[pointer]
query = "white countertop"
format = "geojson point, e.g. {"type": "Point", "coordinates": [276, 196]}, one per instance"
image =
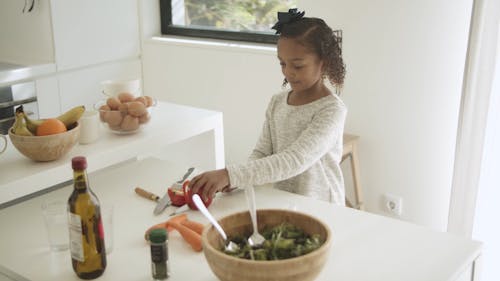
{"type": "Point", "coordinates": [171, 123]}
{"type": "Point", "coordinates": [365, 246]}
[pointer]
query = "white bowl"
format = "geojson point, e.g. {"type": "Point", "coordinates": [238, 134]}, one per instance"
{"type": "Point", "coordinates": [113, 88]}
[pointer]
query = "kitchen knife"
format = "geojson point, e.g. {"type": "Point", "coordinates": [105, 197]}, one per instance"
{"type": "Point", "coordinates": [179, 210]}
{"type": "Point", "coordinates": [165, 201]}
{"type": "Point", "coordinates": [162, 204]}
{"type": "Point", "coordinates": [146, 194]}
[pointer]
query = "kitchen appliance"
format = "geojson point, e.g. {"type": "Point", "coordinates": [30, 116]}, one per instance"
{"type": "Point", "coordinates": [11, 96]}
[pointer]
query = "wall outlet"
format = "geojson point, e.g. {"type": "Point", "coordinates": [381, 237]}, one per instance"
{"type": "Point", "coordinates": [393, 204]}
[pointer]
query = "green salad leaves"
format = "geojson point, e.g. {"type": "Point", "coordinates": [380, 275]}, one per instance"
{"type": "Point", "coordinates": [283, 241]}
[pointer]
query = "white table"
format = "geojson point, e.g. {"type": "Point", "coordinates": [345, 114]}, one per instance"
{"type": "Point", "coordinates": [365, 246]}
{"type": "Point", "coordinates": [170, 124]}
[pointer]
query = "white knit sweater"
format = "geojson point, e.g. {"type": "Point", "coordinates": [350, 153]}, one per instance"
{"type": "Point", "coordinates": [299, 149]}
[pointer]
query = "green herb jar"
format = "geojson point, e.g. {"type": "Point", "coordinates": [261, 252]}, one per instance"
{"type": "Point", "coordinates": [158, 239]}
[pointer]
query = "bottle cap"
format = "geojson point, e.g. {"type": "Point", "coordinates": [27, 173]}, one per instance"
{"type": "Point", "coordinates": [158, 235]}
{"type": "Point", "coordinates": [79, 163]}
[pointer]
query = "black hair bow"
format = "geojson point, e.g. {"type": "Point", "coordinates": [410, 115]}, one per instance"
{"type": "Point", "coordinates": [283, 18]}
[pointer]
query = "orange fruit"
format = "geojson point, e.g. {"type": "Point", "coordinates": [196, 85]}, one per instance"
{"type": "Point", "coordinates": [50, 127]}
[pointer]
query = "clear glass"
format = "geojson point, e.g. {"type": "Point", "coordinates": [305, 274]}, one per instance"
{"type": "Point", "coordinates": [107, 212]}
{"type": "Point", "coordinates": [55, 215]}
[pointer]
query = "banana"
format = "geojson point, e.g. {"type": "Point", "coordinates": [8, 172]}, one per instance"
{"type": "Point", "coordinates": [19, 127]}
{"type": "Point", "coordinates": [68, 118]}
{"type": "Point", "coordinates": [71, 116]}
{"type": "Point", "coordinates": [31, 124]}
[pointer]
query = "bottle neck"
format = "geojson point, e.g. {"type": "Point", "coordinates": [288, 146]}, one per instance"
{"type": "Point", "coordinates": [80, 181]}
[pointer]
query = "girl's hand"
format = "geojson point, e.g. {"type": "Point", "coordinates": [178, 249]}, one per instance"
{"type": "Point", "coordinates": [209, 183]}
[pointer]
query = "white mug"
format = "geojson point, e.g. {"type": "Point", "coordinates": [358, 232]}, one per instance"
{"type": "Point", "coordinates": [4, 138]}
{"type": "Point", "coordinates": [90, 127]}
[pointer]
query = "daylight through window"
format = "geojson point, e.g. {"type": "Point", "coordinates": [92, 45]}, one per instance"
{"type": "Point", "coordinates": [249, 20]}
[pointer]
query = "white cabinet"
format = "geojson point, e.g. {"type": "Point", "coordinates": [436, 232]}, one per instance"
{"type": "Point", "coordinates": [83, 86]}
{"type": "Point", "coordinates": [94, 31]}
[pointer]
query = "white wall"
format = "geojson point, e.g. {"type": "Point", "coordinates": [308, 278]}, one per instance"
{"type": "Point", "coordinates": [405, 63]}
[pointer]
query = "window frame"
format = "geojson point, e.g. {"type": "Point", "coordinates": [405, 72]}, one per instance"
{"type": "Point", "coordinates": [167, 28]}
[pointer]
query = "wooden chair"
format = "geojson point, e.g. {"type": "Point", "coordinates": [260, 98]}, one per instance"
{"type": "Point", "coordinates": [351, 151]}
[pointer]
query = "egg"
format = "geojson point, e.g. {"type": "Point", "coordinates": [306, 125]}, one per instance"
{"type": "Point", "coordinates": [143, 100]}
{"type": "Point", "coordinates": [123, 108]}
{"type": "Point", "coordinates": [144, 118]}
{"type": "Point", "coordinates": [113, 103]}
{"type": "Point", "coordinates": [137, 109]}
{"type": "Point", "coordinates": [130, 123]}
{"type": "Point", "coordinates": [125, 97]}
{"type": "Point", "coordinates": [149, 100]}
{"type": "Point", "coordinates": [113, 118]}
{"type": "Point", "coordinates": [102, 111]}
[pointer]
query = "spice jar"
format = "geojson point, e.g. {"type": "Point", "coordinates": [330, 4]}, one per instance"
{"type": "Point", "coordinates": [159, 254]}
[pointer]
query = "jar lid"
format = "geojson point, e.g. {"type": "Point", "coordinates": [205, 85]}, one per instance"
{"type": "Point", "coordinates": [158, 235]}
{"type": "Point", "coordinates": [79, 163]}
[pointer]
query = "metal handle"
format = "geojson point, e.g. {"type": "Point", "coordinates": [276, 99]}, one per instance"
{"type": "Point", "coordinates": [201, 207]}
{"type": "Point", "coordinates": [16, 102]}
{"type": "Point", "coordinates": [29, 113]}
{"type": "Point", "coordinates": [251, 205]}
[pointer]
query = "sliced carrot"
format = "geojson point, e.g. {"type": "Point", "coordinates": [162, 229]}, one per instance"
{"type": "Point", "coordinates": [196, 226]}
{"type": "Point", "coordinates": [190, 236]}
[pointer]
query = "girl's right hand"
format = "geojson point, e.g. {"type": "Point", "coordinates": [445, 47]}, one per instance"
{"type": "Point", "coordinates": [208, 183]}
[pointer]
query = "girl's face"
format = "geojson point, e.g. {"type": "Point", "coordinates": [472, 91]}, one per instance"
{"type": "Point", "coordinates": [301, 67]}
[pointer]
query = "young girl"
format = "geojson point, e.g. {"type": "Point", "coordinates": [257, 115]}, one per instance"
{"type": "Point", "coordinates": [300, 146]}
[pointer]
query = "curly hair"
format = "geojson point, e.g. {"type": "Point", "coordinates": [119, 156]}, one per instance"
{"type": "Point", "coordinates": [317, 36]}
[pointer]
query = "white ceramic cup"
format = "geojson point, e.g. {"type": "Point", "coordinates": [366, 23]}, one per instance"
{"type": "Point", "coordinates": [4, 146]}
{"type": "Point", "coordinates": [90, 127]}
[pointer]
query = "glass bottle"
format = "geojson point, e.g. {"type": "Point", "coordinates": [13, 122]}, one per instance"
{"type": "Point", "coordinates": [158, 239]}
{"type": "Point", "coordinates": [88, 253]}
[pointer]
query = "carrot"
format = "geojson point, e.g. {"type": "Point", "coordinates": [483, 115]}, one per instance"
{"type": "Point", "coordinates": [190, 236]}
{"type": "Point", "coordinates": [180, 218]}
{"type": "Point", "coordinates": [196, 226]}
{"type": "Point", "coordinates": [156, 226]}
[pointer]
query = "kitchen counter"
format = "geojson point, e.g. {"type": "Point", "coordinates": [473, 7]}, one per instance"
{"type": "Point", "coordinates": [365, 246]}
{"type": "Point", "coordinates": [10, 73]}
{"type": "Point", "coordinates": [170, 124]}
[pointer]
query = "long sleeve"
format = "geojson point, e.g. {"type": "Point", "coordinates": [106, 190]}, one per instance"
{"type": "Point", "coordinates": [299, 149]}
{"type": "Point", "coordinates": [314, 142]}
{"type": "Point", "coordinates": [264, 146]}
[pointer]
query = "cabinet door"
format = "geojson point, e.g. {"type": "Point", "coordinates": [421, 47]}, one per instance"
{"type": "Point", "coordinates": [88, 32]}
{"type": "Point", "coordinates": [83, 86]}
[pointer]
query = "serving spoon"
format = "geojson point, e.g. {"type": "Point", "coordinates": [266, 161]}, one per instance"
{"type": "Point", "coordinates": [256, 239]}
{"type": "Point", "coordinates": [230, 246]}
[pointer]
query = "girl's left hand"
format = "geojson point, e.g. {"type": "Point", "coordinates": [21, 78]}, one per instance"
{"type": "Point", "coordinates": [209, 183]}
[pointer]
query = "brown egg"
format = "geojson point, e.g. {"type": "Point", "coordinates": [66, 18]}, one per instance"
{"type": "Point", "coordinates": [113, 103]}
{"type": "Point", "coordinates": [125, 97]}
{"type": "Point", "coordinates": [102, 112]}
{"type": "Point", "coordinates": [143, 100]}
{"type": "Point", "coordinates": [144, 118]}
{"type": "Point", "coordinates": [149, 100]}
{"type": "Point", "coordinates": [123, 108]}
{"type": "Point", "coordinates": [130, 123]}
{"type": "Point", "coordinates": [113, 118]}
{"type": "Point", "coordinates": [137, 109]}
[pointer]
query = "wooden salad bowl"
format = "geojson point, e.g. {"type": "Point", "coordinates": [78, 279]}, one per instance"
{"type": "Point", "coordinates": [302, 268]}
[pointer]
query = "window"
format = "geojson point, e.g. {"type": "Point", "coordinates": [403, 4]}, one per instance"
{"type": "Point", "coordinates": [241, 20]}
